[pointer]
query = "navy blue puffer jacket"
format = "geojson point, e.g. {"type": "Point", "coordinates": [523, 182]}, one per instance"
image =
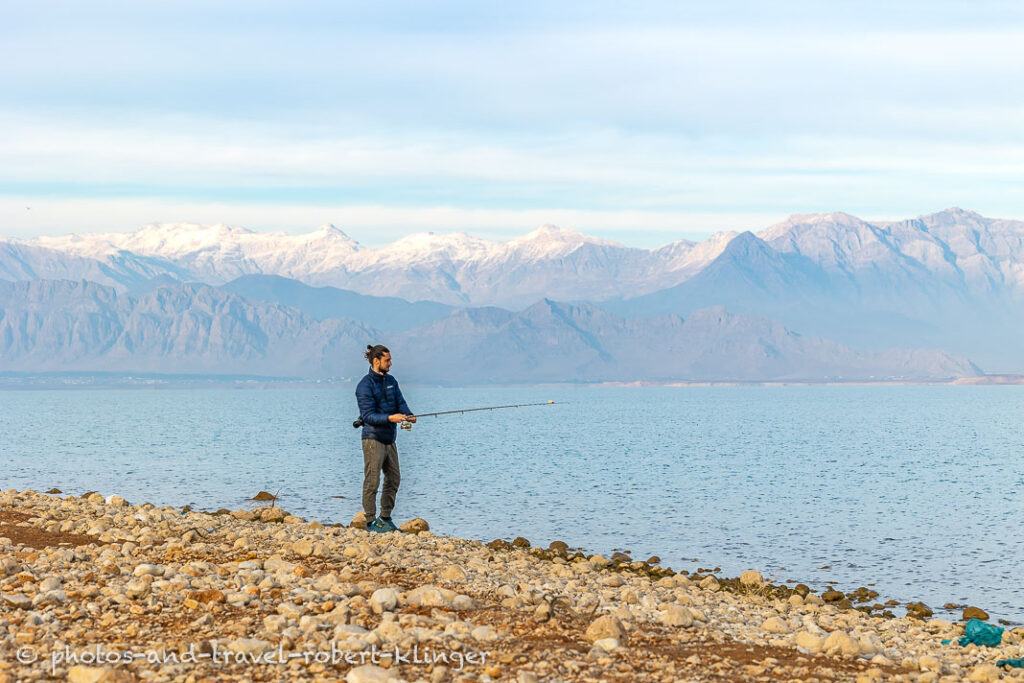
{"type": "Point", "coordinates": [378, 397]}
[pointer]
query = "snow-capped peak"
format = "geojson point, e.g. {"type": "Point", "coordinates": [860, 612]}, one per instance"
{"type": "Point", "coordinates": [551, 241]}
{"type": "Point", "coordinates": [331, 231]}
{"type": "Point", "coordinates": [553, 234]}
{"type": "Point", "coordinates": [458, 246]}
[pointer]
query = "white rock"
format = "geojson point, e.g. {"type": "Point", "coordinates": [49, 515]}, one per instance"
{"type": "Point", "coordinates": [308, 623]}
{"type": "Point", "coordinates": [841, 642]}
{"type": "Point", "coordinates": [349, 631]}
{"type": "Point", "coordinates": [867, 645]}
{"type": "Point", "coordinates": [430, 596]}
{"type": "Point", "coordinates": [938, 625]}
{"type": "Point", "coordinates": [369, 674]}
{"type": "Point", "coordinates": [751, 578]}
{"type": "Point", "coordinates": [463, 603]}
{"type": "Point", "coordinates": [351, 645]}
{"type": "Point", "coordinates": [676, 615]}
{"type": "Point", "coordinates": [290, 610]}
{"type": "Point", "coordinates": [325, 582]}
{"type": "Point", "coordinates": [50, 584]}
{"type": "Point", "coordinates": [137, 589]}
{"type": "Point", "coordinates": [485, 633]}
{"type": "Point", "coordinates": [237, 598]}
{"type": "Point", "coordinates": [252, 646]}
{"type": "Point", "coordinates": [383, 600]}
{"type": "Point", "coordinates": [710, 583]}
{"type": "Point", "coordinates": [453, 573]}
{"type": "Point", "coordinates": [148, 570]}
{"type": "Point", "coordinates": [809, 641]}
{"type": "Point", "coordinates": [17, 600]}
{"type": "Point", "coordinates": [278, 566]}
{"type": "Point", "coordinates": [607, 644]}
{"type": "Point", "coordinates": [775, 625]}
{"type": "Point", "coordinates": [274, 623]}
{"type": "Point", "coordinates": [604, 627]}
{"type": "Point", "coordinates": [390, 631]}
{"type": "Point", "coordinates": [95, 674]}
{"type": "Point", "coordinates": [984, 673]}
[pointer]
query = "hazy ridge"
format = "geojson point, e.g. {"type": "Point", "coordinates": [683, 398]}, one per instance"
{"type": "Point", "coordinates": [79, 326]}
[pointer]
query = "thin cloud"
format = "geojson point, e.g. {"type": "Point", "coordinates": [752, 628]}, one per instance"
{"type": "Point", "coordinates": [664, 109]}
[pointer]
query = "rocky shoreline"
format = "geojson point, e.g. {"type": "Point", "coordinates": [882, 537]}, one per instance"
{"type": "Point", "coordinates": [93, 588]}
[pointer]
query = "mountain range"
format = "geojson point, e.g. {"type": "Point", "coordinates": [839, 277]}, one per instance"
{"type": "Point", "coordinates": [952, 280]}
{"type": "Point", "coordinates": [955, 247]}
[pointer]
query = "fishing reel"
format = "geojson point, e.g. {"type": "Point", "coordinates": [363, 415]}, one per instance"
{"type": "Point", "coordinates": [359, 423]}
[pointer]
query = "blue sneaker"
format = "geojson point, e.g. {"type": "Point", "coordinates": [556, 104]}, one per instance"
{"type": "Point", "coordinates": [378, 525]}
{"type": "Point", "coordinates": [390, 524]}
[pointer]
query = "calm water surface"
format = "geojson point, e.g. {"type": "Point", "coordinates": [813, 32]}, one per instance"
{"type": "Point", "coordinates": [915, 489]}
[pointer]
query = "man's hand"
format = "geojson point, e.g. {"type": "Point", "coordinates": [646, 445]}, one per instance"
{"type": "Point", "coordinates": [398, 417]}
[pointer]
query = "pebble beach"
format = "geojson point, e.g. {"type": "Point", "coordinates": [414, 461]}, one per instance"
{"type": "Point", "coordinates": [94, 588]}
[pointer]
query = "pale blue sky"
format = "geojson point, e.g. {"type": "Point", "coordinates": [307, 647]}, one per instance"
{"type": "Point", "coordinates": [642, 124]}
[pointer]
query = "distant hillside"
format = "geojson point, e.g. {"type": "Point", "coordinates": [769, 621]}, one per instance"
{"type": "Point", "coordinates": [82, 326]}
{"type": "Point", "coordinates": [553, 341]}
{"type": "Point", "coordinates": [384, 313]}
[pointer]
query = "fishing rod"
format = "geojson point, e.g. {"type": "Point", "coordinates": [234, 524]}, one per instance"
{"type": "Point", "coordinates": [408, 425]}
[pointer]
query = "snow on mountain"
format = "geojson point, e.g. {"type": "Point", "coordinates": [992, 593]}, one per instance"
{"type": "Point", "coordinates": [217, 253]}
{"type": "Point", "coordinates": [551, 241]}
{"type": "Point", "coordinates": [28, 261]}
{"type": "Point", "coordinates": [952, 280]}
{"type": "Point", "coordinates": [986, 254]}
{"type": "Point", "coordinates": [956, 247]}
{"type": "Point", "coordinates": [427, 247]}
{"type": "Point", "coordinates": [953, 253]}
{"type": "Point", "coordinates": [455, 268]}
{"type": "Point", "coordinates": [833, 241]}
{"type": "Point", "coordinates": [685, 258]}
{"type": "Point", "coordinates": [166, 240]}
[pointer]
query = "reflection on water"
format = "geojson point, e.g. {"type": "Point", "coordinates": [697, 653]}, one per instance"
{"type": "Point", "coordinates": [916, 489]}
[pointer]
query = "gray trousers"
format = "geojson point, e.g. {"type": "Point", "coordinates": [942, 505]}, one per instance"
{"type": "Point", "coordinates": [379, 457]}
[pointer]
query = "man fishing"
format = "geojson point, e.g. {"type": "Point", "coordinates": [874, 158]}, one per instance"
{"type": "Point", "coordinates": [381, 408]}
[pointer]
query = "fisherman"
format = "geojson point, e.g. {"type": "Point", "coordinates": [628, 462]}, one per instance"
{"type": "Point", "coordinates": [381, 407]}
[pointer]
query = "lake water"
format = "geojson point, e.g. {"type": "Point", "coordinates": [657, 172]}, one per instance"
{"type": "Point", "coordinates": [917, 490]}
